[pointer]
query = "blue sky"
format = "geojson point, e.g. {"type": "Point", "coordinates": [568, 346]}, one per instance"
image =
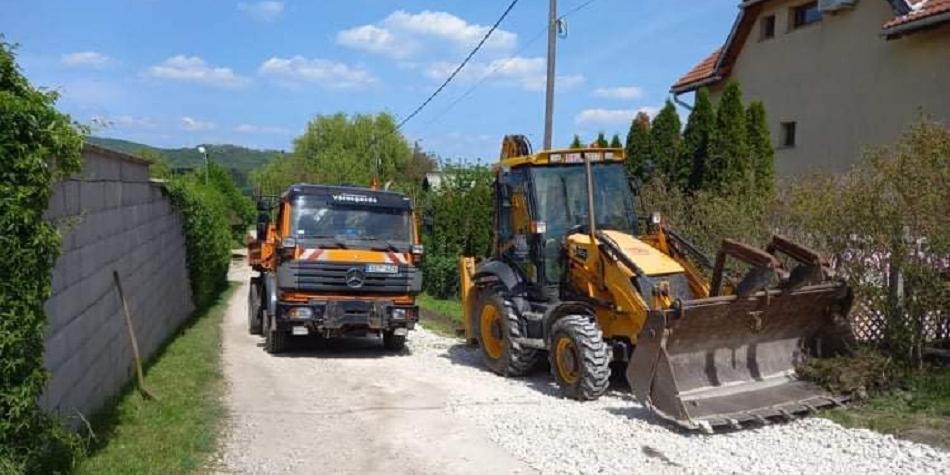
{"type": "Point", "coordinates": [178, 73]}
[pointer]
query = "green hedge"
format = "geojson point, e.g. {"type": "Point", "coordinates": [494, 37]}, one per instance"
{"type": "Point", "coordinates": [205, 213]}
{"type": "Point", "coordinates": [31, 133]}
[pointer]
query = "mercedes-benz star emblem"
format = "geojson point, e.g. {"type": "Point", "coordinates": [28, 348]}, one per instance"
{"type": "Point", "coordinates": [354, 278]}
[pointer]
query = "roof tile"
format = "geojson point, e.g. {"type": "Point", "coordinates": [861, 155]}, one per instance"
{"type": "Point", "coordinates": [704, 70]}
{"type": "Point", "coordinates": [920, 9]}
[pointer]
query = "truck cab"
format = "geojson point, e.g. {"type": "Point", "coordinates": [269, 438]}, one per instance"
{"type": "Point", "coordinates": [335, 261]}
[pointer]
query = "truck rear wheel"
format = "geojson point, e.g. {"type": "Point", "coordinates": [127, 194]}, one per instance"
{"type": "Point", "coordinates": [254, 323]}
{"type": "Point", "coordinates": [497, 326]}
{"type": "Point", "coordinates": [392, 341]}
{"type": "Point", "coordinates": [580, 359]}
{"type": "Point", "coordinates": [275, 341]}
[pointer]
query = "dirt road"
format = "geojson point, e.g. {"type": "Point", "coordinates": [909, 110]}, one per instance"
{"type": "Point", "coordinates": [350, 407]}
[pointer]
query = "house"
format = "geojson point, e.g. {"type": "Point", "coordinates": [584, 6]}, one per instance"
{"type": "Point", "coordinates": [836, 76]}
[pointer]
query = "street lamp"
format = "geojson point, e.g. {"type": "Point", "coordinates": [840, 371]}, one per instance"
{"type": "Point", "coordinates": [202, 150]}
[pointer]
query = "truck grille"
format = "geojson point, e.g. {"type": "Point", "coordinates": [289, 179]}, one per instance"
{"type": "Point", "coordinates": [322, 276]}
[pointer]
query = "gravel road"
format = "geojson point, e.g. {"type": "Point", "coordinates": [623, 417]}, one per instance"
{"type": "Point", "coordinates": [349, 407]}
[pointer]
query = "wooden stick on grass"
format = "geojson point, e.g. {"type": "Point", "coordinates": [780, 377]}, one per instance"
{"type": "Point", "coordinates": [135, 345]}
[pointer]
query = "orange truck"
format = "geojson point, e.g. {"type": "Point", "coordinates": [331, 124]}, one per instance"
{"type": "Point", "coordinates": [334, 261]}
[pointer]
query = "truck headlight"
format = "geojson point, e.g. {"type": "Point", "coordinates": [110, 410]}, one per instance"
{"type": "Point", "coordinates": [399, 314]}
{"type": "Point", "coordinates": [300, 313]}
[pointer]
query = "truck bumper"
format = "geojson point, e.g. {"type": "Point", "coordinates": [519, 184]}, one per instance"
{"type": "Point", "coordinates": [338, 317]}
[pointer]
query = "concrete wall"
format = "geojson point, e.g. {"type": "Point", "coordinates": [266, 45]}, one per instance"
{"type": "Point", "coordinates": [113, 218]}
{"type": "Point", "coordinates": [844, 85]}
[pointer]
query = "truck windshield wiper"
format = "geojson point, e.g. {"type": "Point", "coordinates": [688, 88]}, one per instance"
{"type": "Point", "coordinates": [334, 241]}
{"type": "Point", "coordinates": [387, 244]}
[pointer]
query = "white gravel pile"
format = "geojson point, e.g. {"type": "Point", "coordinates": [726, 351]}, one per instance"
{"type": "Point", "coordinates": [616, 434]}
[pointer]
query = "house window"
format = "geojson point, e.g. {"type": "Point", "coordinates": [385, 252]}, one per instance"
{"type": "Point", "coordinates": [805, 14]}
{"type": "Point", "coordinates": [788, 134]}
{"type": "Point", "coordinates": [767, 28]}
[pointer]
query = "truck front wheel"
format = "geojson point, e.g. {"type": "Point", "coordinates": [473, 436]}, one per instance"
{"type": "Point", "coordinates": [275, 341]}
{"type": "Point", "coordinates": [254, 312]}
{"type": "Point", "coordinates": [392, 341]}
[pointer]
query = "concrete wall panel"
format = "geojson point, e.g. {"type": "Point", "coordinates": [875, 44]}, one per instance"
{"type": "Point", "coordinates": [113, 219]}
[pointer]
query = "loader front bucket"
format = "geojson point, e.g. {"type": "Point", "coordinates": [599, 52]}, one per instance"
{"type": "Point", "coordinates": [727, 361]}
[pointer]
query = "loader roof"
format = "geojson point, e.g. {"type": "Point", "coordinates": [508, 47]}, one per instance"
{"type": "Point", "coordinates": [564, 157]}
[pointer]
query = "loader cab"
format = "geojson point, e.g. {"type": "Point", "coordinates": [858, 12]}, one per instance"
{"type": "Point", "coordinates": [543, 198]}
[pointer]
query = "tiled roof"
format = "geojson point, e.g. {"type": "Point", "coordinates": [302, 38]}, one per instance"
{"type": "Point", "coordinates": [701, 72]}
{"type": "Point", "coordinates": [911, 14]}
{"type": "Point", "coordinates": [920, 9]}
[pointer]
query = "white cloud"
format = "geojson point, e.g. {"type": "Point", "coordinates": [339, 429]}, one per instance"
{"type": "Point", "coordinates": [620, 92]}
{"type": "Point", "coordinates": [527, 73]}
{"type": "Point", "coordinates": [611, 116]}
{"type": "Point", "coordinates": [262, 129]}
{"type": "Point", "coordinates": [85, 58]}
{"type": "Point", "coordinates": [125, 122]}
{"type": "Point", "coordinates": [296, 70]}
{"type": "Point", "coordinates": [402, 34]}
{"type": "Point", "coordinates": [195, 69]}
{"type": "Point", "coordinates": [262, 11]}
{"type": "Point", "coordinates": [195, 125]}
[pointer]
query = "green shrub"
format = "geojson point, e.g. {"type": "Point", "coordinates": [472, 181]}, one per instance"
{"type": "Point", "coordinates": [441, 276]}
{"type": "Point", "coordinates": [38, 145]}
{"type": "Point", "coordinates": [205, 212]}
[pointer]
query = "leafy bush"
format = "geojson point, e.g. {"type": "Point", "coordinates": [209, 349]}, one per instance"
{"type": "Point", "coordinates": [39, 145]}
{"type": "Point", "coordinates": [205, 212]}
{"type": "Point", "coordinates": [461, 214]}
{"type": "Point", "coordinates": [241, 213]}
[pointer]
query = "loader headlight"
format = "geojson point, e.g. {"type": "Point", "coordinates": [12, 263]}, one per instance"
{"type": "Point", "coordinates": [399, 314]}
{"type": "Point", "coordinates": [656, 218]}
{"type": "Point", "coordinates": [300, 313]}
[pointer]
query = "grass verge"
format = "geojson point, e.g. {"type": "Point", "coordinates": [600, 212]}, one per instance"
{"type": "Point", "coordinates": [918, 409]}
{"type": "Point", "coordinates": [440, 315]}
{"type": "Point", "coordinates": [178, 431]}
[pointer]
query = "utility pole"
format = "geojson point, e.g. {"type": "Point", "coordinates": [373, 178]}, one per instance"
{"type": "Point", "coordinates": [549, 94]}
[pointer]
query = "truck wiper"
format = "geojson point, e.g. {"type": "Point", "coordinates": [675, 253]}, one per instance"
{"type": "Point", "coordinates": [338, 243]}
{"type": "Point", "coordinates": [388, 245]}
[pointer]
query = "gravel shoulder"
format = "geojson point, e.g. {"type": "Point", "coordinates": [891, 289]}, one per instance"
{"type": "Point", "coordinates": [349, 407]}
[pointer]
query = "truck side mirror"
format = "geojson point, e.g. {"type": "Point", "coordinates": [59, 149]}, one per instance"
{"type": "Point", "coordinates": [263, 221]}
{"type": "Point", "coordinates": [427, 223]}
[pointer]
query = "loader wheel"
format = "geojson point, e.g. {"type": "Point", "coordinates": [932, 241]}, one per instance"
{"type": "Point", "coordinates": [254, 322]}
{"type": "Point", "coordinates": [579, 357]}
{"type": "Point", "coordinates": [392, 341]}
{"type": "Point", "coordinates": [497, 326]}
{"type": "Point", "coordinates": [275, 341]}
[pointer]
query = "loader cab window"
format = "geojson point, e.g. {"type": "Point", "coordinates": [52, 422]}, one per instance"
{"type": "Point", "coordinates": [561, 198]}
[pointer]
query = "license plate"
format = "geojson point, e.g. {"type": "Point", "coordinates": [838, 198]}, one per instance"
{"type": "Point", "coordinates": [300, 331]}
{"type": "Point", "coordinates": [400, 332]}
{"type": "Point", "coordinates": [382, 268]}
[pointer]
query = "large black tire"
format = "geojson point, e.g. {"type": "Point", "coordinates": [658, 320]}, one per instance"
{"type": "Point", "coordinates": [500, 352]}
{"type": "Point", "coordinates": [393, 342]}
{"type": "Point", "coordinates": [275, 341]}
{"type": "Point", "coordinates": [254, 313]}
{"type": "Point", "coordinates": [579, 357]}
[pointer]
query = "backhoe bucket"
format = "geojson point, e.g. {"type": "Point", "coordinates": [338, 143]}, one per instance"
{"type": "Point", "coordinates": [729, 360]}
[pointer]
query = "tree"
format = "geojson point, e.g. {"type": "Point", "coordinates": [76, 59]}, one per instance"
{"type": "Point", "coordinates": [158, 166]}
{"type": "Point", "coordinates": [696, 138]}
{"type": "Point", "coordinates": [729, 163]}
{"type": "Point", "coordinates": [342, 149]}
{"type": "Point", "coordinates": [760, 145]}
{"type": "Point", "coordinates": [668, 146]}
{"type": "Point", "coordinates": [601, 140]}
{"type": "Point", "coordinates": [576, 143]}
{"type": "Point", "coordinates": [640, 149]}
{"type": "Point", "coordinates": [615, 141]}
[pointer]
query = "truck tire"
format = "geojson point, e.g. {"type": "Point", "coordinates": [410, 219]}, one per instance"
{"type": "Point", "coordinates": [275, 341]}
{"type": "Point", "coordinates": [392, 341]}
{"type": "Point", "coordinates": [497, 327]}
{"type": "Point", "coordinates": [579, 357]}
{"type": "Point", "coordinates": [254, 312]}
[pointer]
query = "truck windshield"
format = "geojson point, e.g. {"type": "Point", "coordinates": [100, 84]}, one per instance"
{"type": "Point", "coordinates": [357, 225]}
{"type": "Point", "coordinates": [561, 197]}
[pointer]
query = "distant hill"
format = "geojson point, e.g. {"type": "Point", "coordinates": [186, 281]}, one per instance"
{"type": "Point", "coordinates": [241, 160]}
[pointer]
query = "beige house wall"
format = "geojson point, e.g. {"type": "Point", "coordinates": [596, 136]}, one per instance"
{"type": "Point", "coordinates": [844, 85]}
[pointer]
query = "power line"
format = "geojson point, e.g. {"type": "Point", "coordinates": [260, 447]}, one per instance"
{"type": "Point", "coordinates": [460, 66]}
{"type": "Point", "coordinates": [504, 63]}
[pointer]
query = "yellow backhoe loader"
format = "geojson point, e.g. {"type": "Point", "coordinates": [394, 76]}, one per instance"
{"type": "Point", "coordinates": [574, 275]}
